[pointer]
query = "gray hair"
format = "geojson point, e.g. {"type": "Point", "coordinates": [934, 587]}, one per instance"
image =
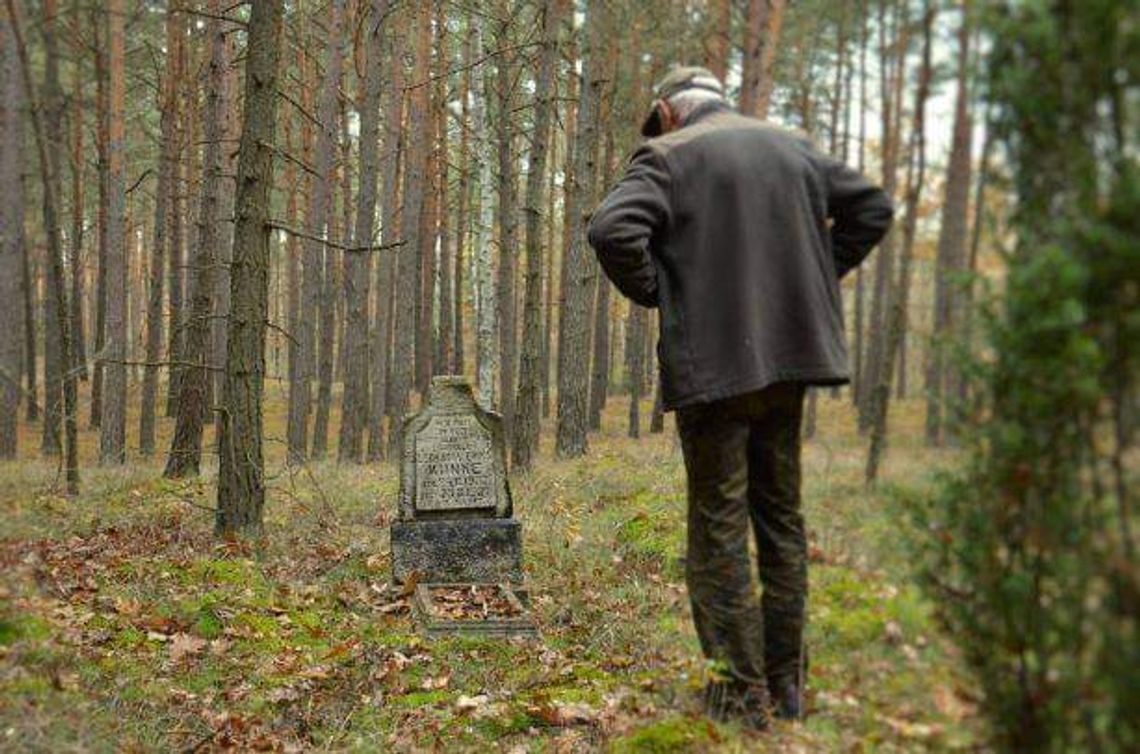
{"type": "Point", "coordinates": [684, 102]}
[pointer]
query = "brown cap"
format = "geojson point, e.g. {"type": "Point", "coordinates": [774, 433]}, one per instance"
{"type": "Point", "coordinates": [676, 81]}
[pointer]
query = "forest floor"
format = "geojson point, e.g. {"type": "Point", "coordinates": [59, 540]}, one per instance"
{"type": "Point", "coordinates": [125, 626]}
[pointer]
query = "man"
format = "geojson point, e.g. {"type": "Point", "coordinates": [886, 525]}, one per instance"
{"type": "Point", "coordinates": [739, 232]}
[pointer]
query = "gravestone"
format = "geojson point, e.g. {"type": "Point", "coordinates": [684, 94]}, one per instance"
{"type": "Point", "coordinates": [454, 523]}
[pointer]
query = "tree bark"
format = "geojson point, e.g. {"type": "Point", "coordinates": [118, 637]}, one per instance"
{"type": "Point", "coordinates": [761, 38]}
{"type": "Point", "coordinates": [358, 265]}
{"type": "Point", "coordinates": [900, 298]}
{"type": "Point", "coordinates": [389, 220]}
{"type": "Point", "coordinates": [54, 361]}
{"type": "Point", "coordinates": [54, 247]}
{"type": "Point", "coordinates": [410, 254]}
{"type": "Point", "coordinates": [486, 297]}
{"type": "Point", "coordinates": [79, 345]}
{"type": "Point", "coordinates": [113, 421]}
{"type": "Point", "coordinates": [162, 223]}
{"type": "Point", "coordinates": [718, 41]}
{"type": "Point", "coordinates": [11, 239]}
{"type": "Point", "coordinates": [525, 438]}
{"type": "Point", "coordinates": [952, 237]}
{"type": "Point", "coordinates": [507, 218]}
{"type": "Point", "coordinates": [581, 269]}
{"type": "Point", "coordinates": [635, 364]}
{"type": "Point", "coordinates": [317, 222]}
{"type": "Point", "coordinates": [463, 210]}
{"type": "Point", "coordinates": [241, 475]}
{"type": "Point", "coordinates": [891, 74]}
{"type": "Point", "coordinates": [185, 456]}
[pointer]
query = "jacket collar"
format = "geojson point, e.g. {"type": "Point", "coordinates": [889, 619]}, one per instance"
{"type": "Point", "coordinates": [705, 109]}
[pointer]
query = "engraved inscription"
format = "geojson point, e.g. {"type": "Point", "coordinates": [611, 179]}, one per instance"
{"type": "Point", "coordinates": [454, 468]}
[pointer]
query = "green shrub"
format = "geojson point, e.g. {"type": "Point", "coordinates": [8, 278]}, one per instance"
{"type": "Point", "coordinates": [1032, 553]}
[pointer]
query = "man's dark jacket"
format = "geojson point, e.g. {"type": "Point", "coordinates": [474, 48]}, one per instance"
{"type": "Point", "coordinates": [739, 233]}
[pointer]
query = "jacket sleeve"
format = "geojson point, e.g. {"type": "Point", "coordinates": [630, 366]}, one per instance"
{"type": "Point", "coordinates": [861, 214]}
{"type": "Point", "coordinates": [624, 225]}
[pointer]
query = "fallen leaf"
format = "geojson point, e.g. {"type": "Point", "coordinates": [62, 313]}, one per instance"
{"type": "Point", "coordinates": [185, 645]}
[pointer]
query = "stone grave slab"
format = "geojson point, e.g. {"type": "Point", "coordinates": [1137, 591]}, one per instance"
{"type": "Point", "coordinates": [454, 520]}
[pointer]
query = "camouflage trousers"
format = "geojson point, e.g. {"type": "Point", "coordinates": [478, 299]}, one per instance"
{"type": "Point", "coordinates": [742, 459]}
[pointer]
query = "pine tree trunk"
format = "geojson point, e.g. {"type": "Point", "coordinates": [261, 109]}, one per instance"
{"type": "Point", "coordinates": [530, 372]}
{"type": "Point", "coordinates": [113, 421]}
{"type": "Point", "coordinates": [50, 205]}
{"type": "Point", "coordinates": [176, 258]}
{"type": "Point", "coordinates": [389, 231]}
{"type": "Point", "coordinates": [28, 296]}
{"type": "Point", "coordinates": [487, 325]}
{"type": "Point", "coordinates": [718, 40]}
{"type": "Point", "coordinates": [99, 32]}
{"type": "Point", "coordinates": [162, 222]}
{"type": "Point", "coordinates": [761, 38]}
{"type": "Point", "coordinates": [241, 472]}
{"type": "Point", "coordinates": [507, 220]}
{"type": "Point", "coordinates": [441, 359]}
{"type": "Point", "coordinates": [54, 363]}
{"type": "Point", "coordinates": [581, 269]}
{"type": "Point", "coordinates": [409, 259]}
{"type": "Point", "coordinates": [890, 80]}
{"type": "Point", "coordinates": [11, 239]}
{"type": "Point", "coordinates": [952, 237]}
{"type": "Point", "coordinates": [635, 364]}
{"type": "Point", "coordinates": [185, 456]}
{"type": "Point", "coordinates": [900, 298]}
{"type": "Point", "coordinates": [78, 341]}
{"type": "Point", "coordinates": [317, 221]}
{"type": "Point", "coordinates": [358, 264]}
{"type": "Point", "coordinates": [463, 209]}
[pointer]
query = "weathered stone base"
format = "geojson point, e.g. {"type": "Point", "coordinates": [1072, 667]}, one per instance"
{"type": "Point", "coordinates": [471, 550]}
{"type": "Point", "coordinates": [520, 625]}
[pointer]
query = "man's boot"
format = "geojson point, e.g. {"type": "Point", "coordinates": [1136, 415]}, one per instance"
{"type": "Point", "coordinates": [787, 698]}
{"type": "Point", "coordinates": [729, 700]}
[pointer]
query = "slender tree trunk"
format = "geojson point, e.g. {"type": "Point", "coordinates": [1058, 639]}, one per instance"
{"type": "Point", "coordinates": [447, 294]}
{"type": "Point", "coordinates": [54, 362]}
{"type": "Point", "coordinates": [79, 344]}
{"type": "Point", "coordinates": [463, 210]}
{"type": "Point", "coordinates": [241, 473]}
{"type": "Point", "coordinates": [113, 422]}
{"type": "Point", "coordinates": [487, 313]}
{"type": "Point", "coordinates": [892, 71]}
{"type": "Point", "coordinates": [99, 32]}
{"type": "Point", "coordinates": [221, 303]}
{"type": "Point", "coordinates": [600, 365]}
{"type": "Point", "coordinates": [718, 37]}
{"type": "Point", "coordinates": [54, 246]}
{"type": "Point", "coordinates": [358, 267]}
{"type": "Point", "coordinates": [410, 254]}
{"type": "Point", "coordinates": [761, 38]}
{"type": "Point", "coordinates": [28, 295]}
{"type": "Point", "coordinates": [857, 381]}
{"type": "Point", "coordinates": [900, 298]}
{"type": "Point", "coordinates": [389, 219]}
{"type": "Point", "coordinates": [176, 258]}
{"type": "Point", "coordinates": [952, 239]}
{"type": "Point", "coordinates": [635, 364]}
{"type": "Point", "coordinates": [317, 224]}
{"type": "Point", "coordinates": [425, 255]}
{"type": "Point", "coordinates": [162, 222]}
{"type": "Point", "coordinates": [507, 219]}
{"type": "Point", "coordinates": [581, 270]}
{"type": "Point", "coordinates": [11, 239]}
{"type": "Point", "coordinates": [185, 456]}
{"type": "Point", "coordinates": [530, 372]}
